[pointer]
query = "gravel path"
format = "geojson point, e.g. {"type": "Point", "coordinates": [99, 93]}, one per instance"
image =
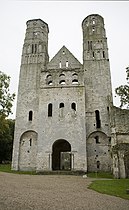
{"type": "Point", "coordinates": [53, 192]}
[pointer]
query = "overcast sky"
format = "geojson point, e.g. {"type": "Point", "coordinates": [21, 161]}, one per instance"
{"type": "Point", "coordinates": [64, 19]}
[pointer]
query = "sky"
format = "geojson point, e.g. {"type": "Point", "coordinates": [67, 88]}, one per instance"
{"type": "Point", "coordinates": [64, 19]}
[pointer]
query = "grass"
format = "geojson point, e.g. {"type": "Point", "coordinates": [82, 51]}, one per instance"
{"type": "Point", "coordinates": [7, 168]}
{"type": "Point", "coordinates": [106, 175]}
{"type": "Point", "coordinates": [114, 187]}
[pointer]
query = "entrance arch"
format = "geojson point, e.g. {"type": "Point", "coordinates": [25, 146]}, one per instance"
{"type": "Point", "coordinates": [61, 155]}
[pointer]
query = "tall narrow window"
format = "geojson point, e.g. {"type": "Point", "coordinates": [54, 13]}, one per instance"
{"type": "Point", "coordinates": [30, 142]}
{"type": "Point", "coordinates": [103, 54]}
{"type": "Point", "coordinates": [98, 164]}
{"type": "Point", "coordinates": [67, 64]}
{"type": "Point", "coordinates": [30, 115]}
{"type": "Point", "coordinates": [61, 105]}
{"type": "Point", "coordinates": [60, 65]}
{"type": "Point", "coordinates": [32, 48]}
{"type": "Point", "coordinates": [98, 121]}
{"type": "Point", "coordinates": [73, 106]}
{"type": "Point", "coordinates": [91, 45]}
{"type": "Point", "coordinates": [35, 48]}
{"type": "Point", "coordinates": [93, 55]}
{"type": "Point", "coordinates": [49, 110]}
{"type": "Point", "coordinates": [97, 139]}
{"type": "Point", "coordinates": [88, 45]}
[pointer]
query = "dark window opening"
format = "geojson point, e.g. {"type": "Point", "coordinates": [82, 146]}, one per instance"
{"type": "Point", "coordinates": [32, 48]}
{"type": "Point", "coordinates": [61, 105]}
{"type": "Point", "coordinates": [97, 139]}
{"type": "Point", "coordinates": [74, 74]}
{"type": "Point", "coordinates": [103, 54]}
{"type": "Point", "coordinates": [73, 106]}
{"type": "Point", "coordinates": [93, 55]}
{"type": "Point", "coordinates": [98, 164]}
{"type": "Point", "coordinates": [30, 142]}
{"type": "Point", "coordinates": [50, 82]}
{"type": "Point", "coordinates": [74, 81]}
{"type": "Point", "coordinates": [88, 46]}
{"type": "Point", "coordinates": [49, 110]}
{"type": "Point", "coordinates": [30, 115]}
{"type": "Point", "coordinates": [35, 48]}
{"type": "Point", "coordinates": [62, 82]}
{"type": "Point", "coordinates": [98, 121]}
{"type": "Point", "coordinates": [108, 108]}
{"type": "Point", "coordinates": [49, 75]}
{"type": "Point", "coordinates": [62, 75]}
{"type": "Point", "coordinates": [91, 45]}
{"type": "Point", "coordinates": [109, 140]}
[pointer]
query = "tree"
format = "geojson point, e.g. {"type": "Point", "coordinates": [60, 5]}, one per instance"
{"type": "Point", "coordinates": [6, 98]}
{"type": "Point", "coordinates": [6, 125]}
{"type": "Point", "coordinates": [123, 92]}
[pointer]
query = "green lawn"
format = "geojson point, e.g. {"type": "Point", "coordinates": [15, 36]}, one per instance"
{"type": "Point", "coordinates": [115, 187]}
{"type": "Point", "coordinates": [7, 168]}
{"type": "Point", "coordinates": [106, 175]}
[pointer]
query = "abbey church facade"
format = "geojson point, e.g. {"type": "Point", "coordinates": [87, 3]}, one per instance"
{"type": "Point", "coordinates": [65, 118]}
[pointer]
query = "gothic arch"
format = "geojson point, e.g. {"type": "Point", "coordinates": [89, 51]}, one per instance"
{"type": "Point", "coordinates": [28, 150]}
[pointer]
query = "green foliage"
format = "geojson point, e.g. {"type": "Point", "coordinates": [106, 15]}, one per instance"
{"type": "Point", "coordinates": [116, 187]}
{"type": "Point", "coordinates": [6, 140]}
{"type": "Point", "coordinates": [123, 91]}
{"type": "Point", "coordinates": [6, 98]}
{"type": "Point", "coordinates": [6, 125]}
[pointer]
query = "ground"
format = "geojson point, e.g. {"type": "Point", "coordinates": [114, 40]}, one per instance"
{"type": "Point", "coordinates": [53, 192]}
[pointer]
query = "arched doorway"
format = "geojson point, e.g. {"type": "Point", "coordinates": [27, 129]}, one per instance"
{"type": "Point", "coordinates": [61, 155]}
{"type": "Point", "coordinates": [28, 151]}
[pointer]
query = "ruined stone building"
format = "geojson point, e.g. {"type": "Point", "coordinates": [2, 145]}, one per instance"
{"type": "Point", "coordinates": [65, 118]}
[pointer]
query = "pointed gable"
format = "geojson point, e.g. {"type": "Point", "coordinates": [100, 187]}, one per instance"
{"type": "Point", "coordinates": [64, 59]}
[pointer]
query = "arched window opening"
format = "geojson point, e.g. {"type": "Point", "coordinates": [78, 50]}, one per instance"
{"type": "Point", "coordinates": [93, 29]}
{"type": "Point", "coordinates": [62, 75]}
{"type": "Point", "coordinates": [74, 74]}
{"type": "Point", "coordinates": [75, 81]}
{"type": "Point", "coordinates": [50, 82]}
{"type": "Point", "coordinates": [103, 54]}
{"type": "Point", "coordinates": [93, 22]}
{"type": "Point", "coordinates": [32, 48]}
{"type": "Point", "coordinates": [91, 45]}
{"type": "Point", "coordinates": [98, 121]}
{"type": "Point", "coordinates": [49, 110]}
{"type": "Point", "coordinates": [62, 82]}
{"type": "Point", "coordinates": [73, 106]}
{"type": "Point", "coordinates": [97, 139]}
{"type": "Point", "coordinates": [93, 55]}
{"type": "Point", "coordinates": [60, 65]}
{"type": "Point", "coordinates": [98, 164]}
{"type": "Point", "coordinates": [49, 75]}
{"type": "Point", "coordinates": [67, 64]}
{"type": "Point", "coordinates": [61, 105]}
{"type": "Point", "coordinates": [30, 115]}
{"type": "Point", "coordinates": [35, 48]}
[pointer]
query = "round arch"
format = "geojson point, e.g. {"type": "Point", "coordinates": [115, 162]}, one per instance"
{"type": "Point", "coordinates": [61, 155]}
{"type": "Point", "coordinates": [27, 150]}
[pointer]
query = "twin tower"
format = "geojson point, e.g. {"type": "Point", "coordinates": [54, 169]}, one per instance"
{"type": "Point", "coordinates": [63, 106]}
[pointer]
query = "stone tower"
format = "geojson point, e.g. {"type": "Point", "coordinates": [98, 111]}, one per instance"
{"type": "Point", "coordinates": [63, 113]}
{"type": "Point", "coordinates": [98, 92]}
{"type": "Point", "coordinates": [34, 58]}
